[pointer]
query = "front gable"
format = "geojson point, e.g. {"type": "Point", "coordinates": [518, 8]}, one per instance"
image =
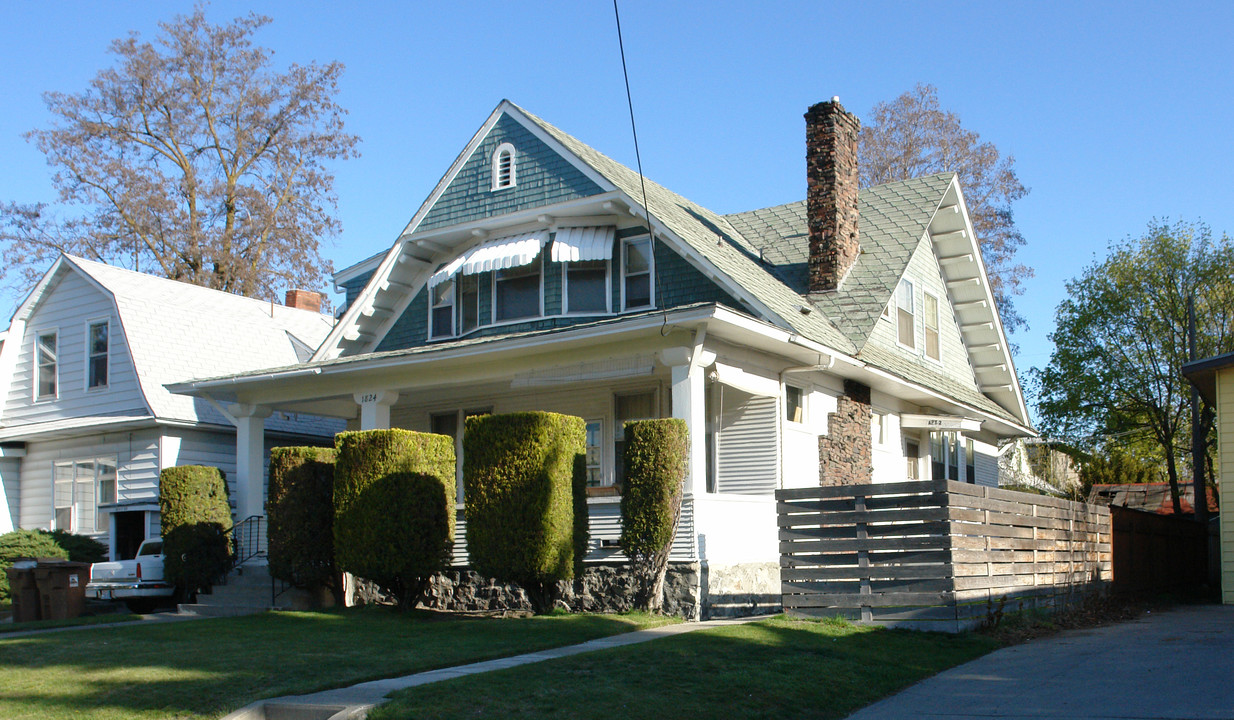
{"type": "Point", "coordinates": [542, 177]}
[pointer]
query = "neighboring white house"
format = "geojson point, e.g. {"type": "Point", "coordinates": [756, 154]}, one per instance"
{"type": "Point", "coordinates": [848, 338]}
{"type": "Point", "coordinates": [86, 423]}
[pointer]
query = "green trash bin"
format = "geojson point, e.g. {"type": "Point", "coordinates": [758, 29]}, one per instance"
{"type": "Point", "coordinates": [62, 588]}
{"type": "Point", "coordinates": [23, 590]}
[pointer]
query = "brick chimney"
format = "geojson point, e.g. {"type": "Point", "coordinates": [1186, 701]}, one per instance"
{"type": "Point", "coordinates": [831, 193]}
{"type": "Point", "coordinates": [304, 300]}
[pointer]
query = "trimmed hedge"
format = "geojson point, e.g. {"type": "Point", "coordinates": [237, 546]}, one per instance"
{"type": "Point", "coordinates": [300, 513]}
{"type": "Point", "coordinates": [518, 473]}
{"type": "Point", "coordinates": [194, 512]}
{"type": "Point", "coordinates": [394, 507]}
{"type": "Point", "coordinates": [656, 460]}
{"type": "Point", "coordinates": [25, 544]}
{"type": "Point", "coordinates": [582, 519]}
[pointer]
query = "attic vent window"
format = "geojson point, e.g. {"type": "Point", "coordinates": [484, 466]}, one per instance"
{"type": "Point", "coordinates": [505, 170]}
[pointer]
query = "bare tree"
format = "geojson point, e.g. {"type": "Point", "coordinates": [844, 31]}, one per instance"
{"type": "Point", "coordinates": [193, 159]}
{"type": "Point", "coordinates": [912, 136]}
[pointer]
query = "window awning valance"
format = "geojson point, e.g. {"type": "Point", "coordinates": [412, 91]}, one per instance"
{"type": "Point", "coordinates": [577, 244]}
{"type": "Point", "coordinates": [500, 254]}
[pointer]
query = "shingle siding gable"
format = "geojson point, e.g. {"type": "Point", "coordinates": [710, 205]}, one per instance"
{"type": "Point", "coordinates": [678, 283]}
{"type": "Point", "coordinates": [543, 177]}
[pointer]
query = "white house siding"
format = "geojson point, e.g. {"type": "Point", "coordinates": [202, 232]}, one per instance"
{"type": "Point", "coordinates": [800, 440]}
{"type": "Point", "coordinates": [10, 478]}
{"type": "Point", "coordinates": [137, 461]}
{"type": "Point", "coordinates": [68, 308]}
{"type": "Point", "coordinates": [986, 465]}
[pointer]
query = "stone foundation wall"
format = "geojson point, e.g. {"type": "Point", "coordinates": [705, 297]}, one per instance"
{"type": "Point", "coordinates": [603, 588]}
{"type": "Point", "coordinates": [741, 590]}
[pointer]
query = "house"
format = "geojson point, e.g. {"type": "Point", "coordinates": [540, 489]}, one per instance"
{"type": "Point", "coordinates": [1032, 464]}
{"type": "Point", "coordinates": [848, 338]}
{"type": "Point", "coordinates": [86, 423]}
{"type": "Point", "coordinates": [1215, 379]}
{"type": "Point", "coordinates": [1150, 497]}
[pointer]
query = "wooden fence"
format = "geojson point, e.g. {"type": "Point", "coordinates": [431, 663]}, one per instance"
{"type": "Point", "coordinates": [935, 555]}
{"type": "Point", "coordinates": [1156, 553]}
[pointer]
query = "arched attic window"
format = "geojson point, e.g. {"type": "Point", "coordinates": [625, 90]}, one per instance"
{"type": "Point", "coordinates": [504, 167]}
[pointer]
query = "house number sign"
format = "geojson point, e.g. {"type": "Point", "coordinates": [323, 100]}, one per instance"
{"type": "Point", "coordinates": [368, 398]}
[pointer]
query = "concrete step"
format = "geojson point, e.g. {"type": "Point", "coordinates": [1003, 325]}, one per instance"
{"type": "Point", "coordinates": [207, 610]}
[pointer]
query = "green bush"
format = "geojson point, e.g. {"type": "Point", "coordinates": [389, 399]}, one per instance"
{"type": "Point", "coordinates": [582, 519]}
{"type": "Point", "coordinates": [194, 513]}
{"type": "Point", "coordinates": [656, 457]}
{"type": "Point", "coordinates": [518, 474]}
{"type": "Point", "coordinates": [394, 507]}
{"type": "Point", "coordinates": [79, 547]}
{"type": "Point", "coordinates": [25, 544]}
{"type": "Point", "coordinates": [300, 513]}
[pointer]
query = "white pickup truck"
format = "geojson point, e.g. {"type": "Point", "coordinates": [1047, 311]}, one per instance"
{"type": "Point", "coordinates": [138, 582]}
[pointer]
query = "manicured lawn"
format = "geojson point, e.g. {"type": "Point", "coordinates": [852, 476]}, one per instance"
{"type": "Point", "coordinates": [85, 620]}
{"type": "Point", "coordinates": [207, 668]}
{"type": "Point", "coordinates": [777, 668]}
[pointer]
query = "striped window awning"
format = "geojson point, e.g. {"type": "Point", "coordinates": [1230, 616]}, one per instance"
{"type": "Point", "coordinates": [577, 244]}
{"type": "Point", "coordinates": [500, 254]}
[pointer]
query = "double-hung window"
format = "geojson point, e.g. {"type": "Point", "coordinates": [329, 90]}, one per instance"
{"type": "Point", "coordinates": [905, 315]}
{"type": "Point", "coordinates": [929, 311]}
{"type": "Point", "coordinates": [80, 487]}
{"type": "Point", "coordinates": [442, 311]}
{"type": "Point", "coordinates": [794, 404]}
{"type": "Point", "coordinates": [469, 302]}
{"type": "Point", "coordinates": [97, 348]}
{"type": "Point", "coordinates": [516, 292]}
{"type": "Point", "coordinates": [595, 453]}
{"type": "Point", "coordinates": [46, 360]}
{"type": "Point", "coordinates": [944, 456]}
{"type": "Point", "coordinates": [587, 286]}
{"type": "Point", "coordinates": [636, 269]}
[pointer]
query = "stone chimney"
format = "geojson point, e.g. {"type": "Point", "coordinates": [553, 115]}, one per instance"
{"type": "Point", "coordinates": [304, 300]}
{"type": "Point", "coordinates": [831, 193]}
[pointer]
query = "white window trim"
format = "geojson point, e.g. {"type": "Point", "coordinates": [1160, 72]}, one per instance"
{"type": "Point", "coordinates": [565, 291]}
{"type": "Point", "coordinates": [86, 380]}
{"type": "Point", "coordinates": [805, 405]}
{"type": "Point", "coordinates": [606, 475]}
{"type": "Point", "coordinates": [912, 294]}
{"type": "Point", "coordinates": [454, 301]}
{"type": "Point", "coordinates": [34, 379]}
{"type": "Point", "coordinates": [495, 166]}
{"type": "Point", "coordinates": [530, 318]}
{"type": "Point", "coordinates": [651, 271]}
{"type": "Point", "coordinates": [938, 329]}
{"type": "Point", "coordinates": [114, 460]}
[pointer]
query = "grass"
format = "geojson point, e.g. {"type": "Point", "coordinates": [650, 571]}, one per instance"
{"type": "Point", "coordinates": [207, 668]}
{"type": "Point", "coordinates": [771, 669]}
{"type": "Point", "coordinates": [71, 622]}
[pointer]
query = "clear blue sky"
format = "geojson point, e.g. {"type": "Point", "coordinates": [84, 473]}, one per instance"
{"type": "Point", "coordinates": [1115, 112]}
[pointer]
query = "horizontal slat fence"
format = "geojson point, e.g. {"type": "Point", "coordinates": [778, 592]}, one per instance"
{"type": "Point", "coordinates": [935, 555]}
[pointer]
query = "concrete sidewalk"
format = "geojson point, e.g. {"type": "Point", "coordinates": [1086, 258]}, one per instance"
{"type": "Point", "coordinates": [356, 700]}
{"type": "Point", "coordinates": [1177, 665]}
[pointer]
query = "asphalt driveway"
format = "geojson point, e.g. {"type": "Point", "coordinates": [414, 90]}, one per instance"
{"type": "Point", "coordinates": [1176, 665]}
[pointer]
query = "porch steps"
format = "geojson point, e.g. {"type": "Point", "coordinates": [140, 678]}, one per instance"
{"type": "Point", "coordinates": [246, 592]}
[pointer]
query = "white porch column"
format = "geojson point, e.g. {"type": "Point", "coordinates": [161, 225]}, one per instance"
{"type": "Point", "coordinates": [375, 408]}
{"type": "Point", "coordinates": [250, 465]}
{"type": "Point", "coordinates": [688, 372]}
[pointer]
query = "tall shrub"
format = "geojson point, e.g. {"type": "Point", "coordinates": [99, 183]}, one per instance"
{"type": "Point", "coordinates": [25, 544]}
{"type": "Point", "coordinates": [79, 547]}
{"type": "Point", "coordinates": [656, 457]}
{"type": "Point", "coordinates": [300, 513]}
{"type": "Point", "coordinates": [194, 512]}
{"type": "Point", "coordinates": [518, 474]}
{"type": "Point", "coordinates": [394, 507]}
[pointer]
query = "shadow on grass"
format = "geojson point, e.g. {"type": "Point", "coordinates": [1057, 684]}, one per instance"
{"type": "Point", "coordinates": [205, 668]}
{"type": "Point", "coordinates": [770, 669]}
